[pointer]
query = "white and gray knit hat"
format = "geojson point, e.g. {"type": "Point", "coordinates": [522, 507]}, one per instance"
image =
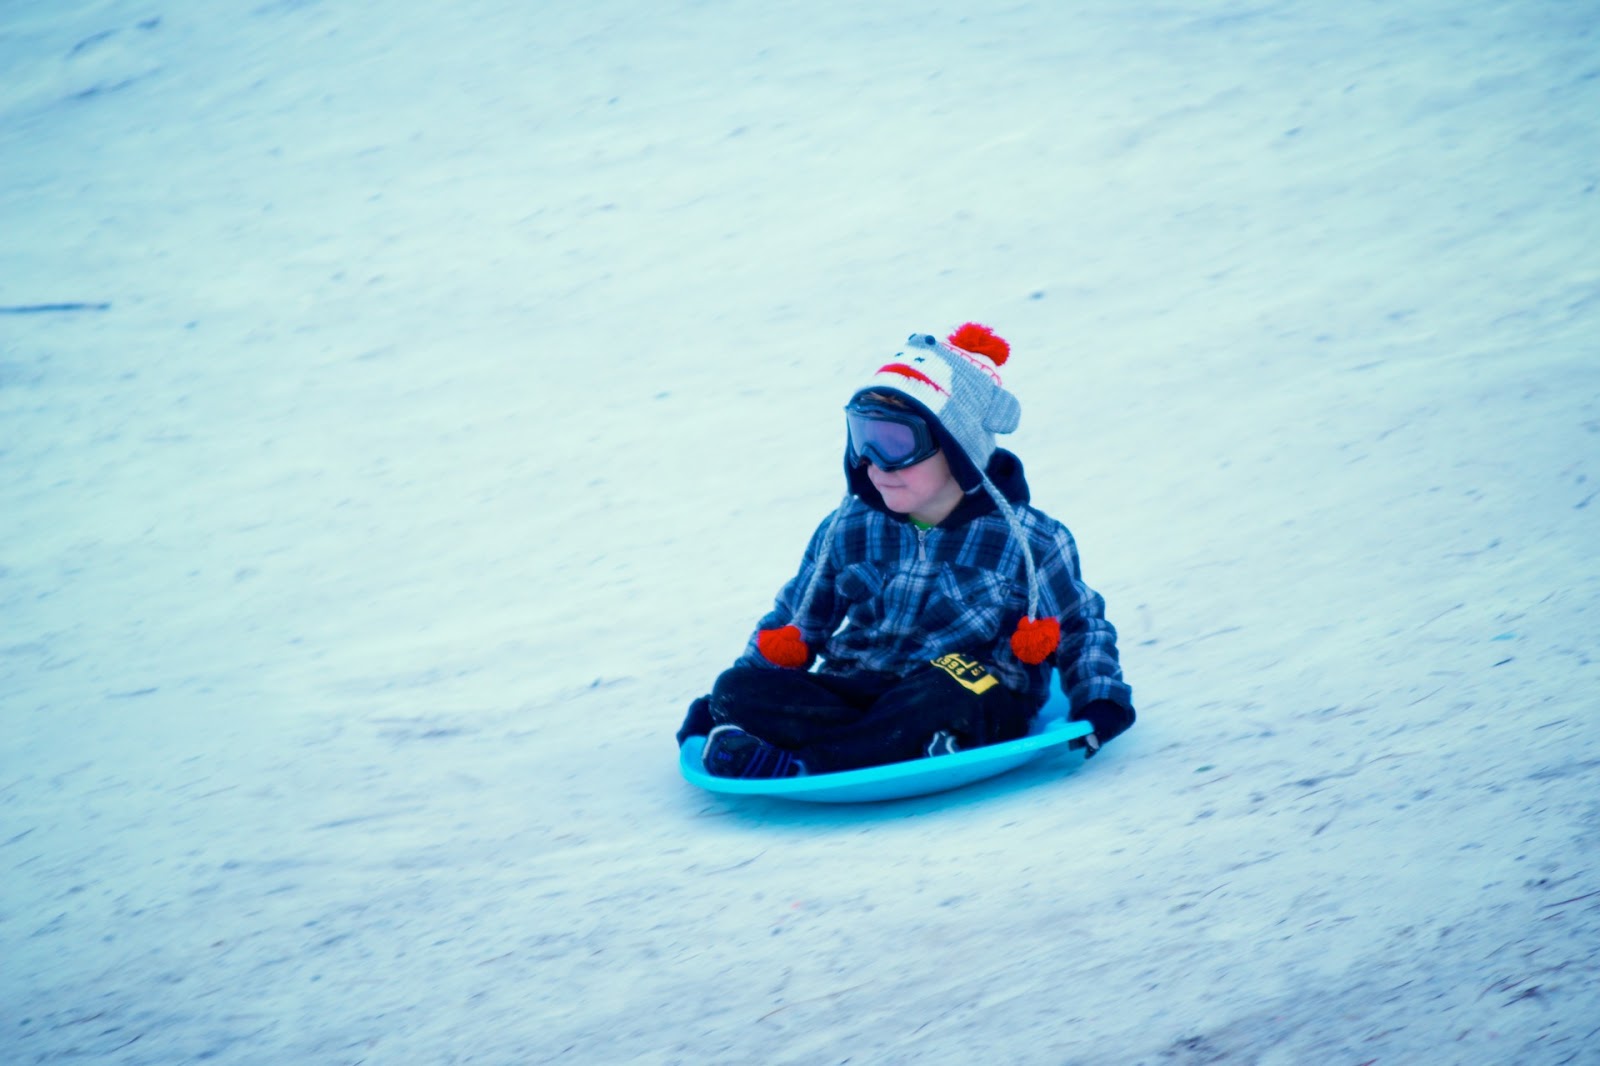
{"type": "Point", "coordinates": [957, 381]}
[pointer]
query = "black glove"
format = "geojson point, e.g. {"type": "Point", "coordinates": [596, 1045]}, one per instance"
{"type": "Point", "coordinates": [1109, 720]}
{"type": "Point", "coordinates": [697, 723]}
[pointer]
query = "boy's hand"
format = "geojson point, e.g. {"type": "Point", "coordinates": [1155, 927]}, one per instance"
{"type": "Point", "coordinates": [1109, 719]}
{"type": "Point", "coordinates": [698, 722]}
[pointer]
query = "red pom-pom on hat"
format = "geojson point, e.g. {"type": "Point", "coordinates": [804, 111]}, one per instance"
{"type": "Point", "coordinates": [1035, 639]}
{"type": "Point", "coordinates": [981, 340]}
{"type": "Point", "coordinates": [783, 647]}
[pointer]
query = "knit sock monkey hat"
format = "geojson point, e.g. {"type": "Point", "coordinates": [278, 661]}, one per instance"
{"type": "Point", "coordinates": [955, 385]}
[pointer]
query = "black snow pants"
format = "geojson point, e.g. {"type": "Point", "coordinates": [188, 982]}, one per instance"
{"type": "Point", "coordinates": [838, 722]}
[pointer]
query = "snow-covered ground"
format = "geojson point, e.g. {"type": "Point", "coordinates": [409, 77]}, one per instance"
{"type": "Point", "coordinates": [430, 396]}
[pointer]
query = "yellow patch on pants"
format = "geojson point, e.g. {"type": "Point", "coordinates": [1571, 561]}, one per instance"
{"type": "Point", "coordinates": [968, 672]}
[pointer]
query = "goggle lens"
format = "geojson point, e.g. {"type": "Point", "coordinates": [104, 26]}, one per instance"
{"type": "Point", "coordinates": [891, 440]}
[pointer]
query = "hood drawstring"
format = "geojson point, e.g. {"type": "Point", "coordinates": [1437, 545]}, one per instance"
{"type": "Point", "coordinates": [786, 646]}
{"type": "Point", "coordinates": [1034, 639]}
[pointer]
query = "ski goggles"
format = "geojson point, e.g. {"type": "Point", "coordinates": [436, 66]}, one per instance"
{"type": "Point", "coordinates": [889, 437]}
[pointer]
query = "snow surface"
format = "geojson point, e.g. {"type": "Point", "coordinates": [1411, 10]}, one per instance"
{"type": "Point", "coordinates": [434, 395]}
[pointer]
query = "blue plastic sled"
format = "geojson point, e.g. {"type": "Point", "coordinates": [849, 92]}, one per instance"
{"type": "Point", "coordinates": [917, 777]}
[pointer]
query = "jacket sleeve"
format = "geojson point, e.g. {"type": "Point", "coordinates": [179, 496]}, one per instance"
{"type": "Point", "coordinates": [1086, 658]}
{"type": "Point", "coordinates": [819, 622]}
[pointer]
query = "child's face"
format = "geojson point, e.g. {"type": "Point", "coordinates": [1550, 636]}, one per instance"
{"type": "Point", "coordinates": [927, 491]}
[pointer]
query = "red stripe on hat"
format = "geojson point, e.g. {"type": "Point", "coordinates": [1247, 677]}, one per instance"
{"type": "Point", "coordinates": [912, 373]}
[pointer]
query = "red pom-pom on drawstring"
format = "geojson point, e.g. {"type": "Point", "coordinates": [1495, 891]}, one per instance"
{"type": "Point", "coordinates": [1035, 639]}
{"type": "Point", "coordinates": [981, 340]}
{"type": "Point", "coordinates": [783, 647]}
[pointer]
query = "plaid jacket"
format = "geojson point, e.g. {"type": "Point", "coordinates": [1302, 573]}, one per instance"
{"type": "Point", "coordinates": [894, 597]}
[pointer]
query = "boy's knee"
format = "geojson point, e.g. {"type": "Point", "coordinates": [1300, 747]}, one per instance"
{"type": "Point", "coordinates": [739, 683]}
